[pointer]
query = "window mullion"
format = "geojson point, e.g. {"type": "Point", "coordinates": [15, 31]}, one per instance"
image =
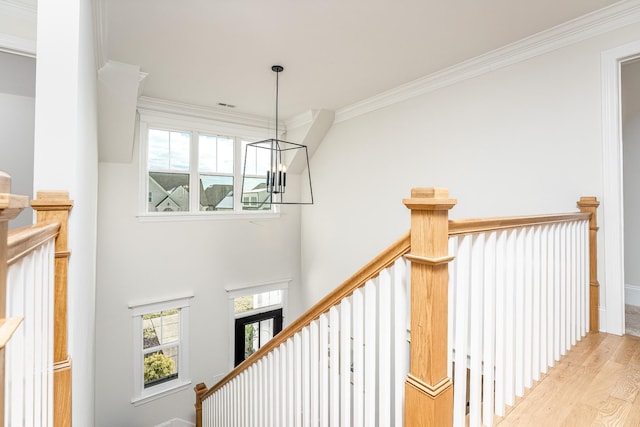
{"type": "Point", "coordinates": [194, 175]}
{"type": "Point", "coordinates": [237, 174]}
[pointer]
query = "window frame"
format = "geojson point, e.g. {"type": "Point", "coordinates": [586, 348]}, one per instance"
{"type": "Point", "coordinates": [141, 394]}
{"type": "Point", "coordinates": [195, 127]}
{"type": "Point", "coordinates": [234, 292]}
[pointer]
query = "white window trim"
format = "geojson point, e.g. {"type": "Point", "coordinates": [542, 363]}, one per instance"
{"type": "Point", "coordinates": [194, 126]}
{"type": "Point", "coordinates": [234, 292]}
{"type": "Point", "coordinates": [140, 394]}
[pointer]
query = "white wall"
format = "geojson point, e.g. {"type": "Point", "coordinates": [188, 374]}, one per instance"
{"type": "Point", "coordinates": [17, 104]}
{"type": "Point", "coordinates": [65, 158]}
{"type": "Point", "coordinates": [138, 261]}
{"type": "Point", "coordinates": [630, 73]}
{"type": "Point", "coordinates": [522, 139]}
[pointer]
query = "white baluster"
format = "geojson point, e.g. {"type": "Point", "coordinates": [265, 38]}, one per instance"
{"type": "Point", "coordinates": [358, 358]}
{"type": "Point", "coordinates": [384, 349]}
{"type": "Point", "coordinates": [345, 362]}
{"type": "Point", "coordinates": [334, 367]}
{"type": "Point", "coordinates": [463, 271]}
{"type": "Point", "coordinates": [370, 345]}
{"type": "Point", "coordinates": [401, 346]}
{"type": "Point", "coordinates": [314, 383]}
{"type": "Point", "coordinates": [489, 332]}
{"type": "Point", "coordinates": [476, 292]}
{"type": "Point", "coordinates": [323, 362]}
{"type": "Point", "coordinates": [501, 321]}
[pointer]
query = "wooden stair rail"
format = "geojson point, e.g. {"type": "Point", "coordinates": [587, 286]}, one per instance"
{"type": "Point", "coordinates": [359, 279]}
{"type": "Point", "coordinates": [54, 207]}
{"type": "Point", "coordinates": [10, 206]}
{"type": "Point", "coordinates": [428, 389]}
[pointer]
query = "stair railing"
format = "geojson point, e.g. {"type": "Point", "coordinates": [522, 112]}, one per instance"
{"type": "Point", "coordinates": [35, 389]}
{"type": "Point", "coordinates": [526, 286]}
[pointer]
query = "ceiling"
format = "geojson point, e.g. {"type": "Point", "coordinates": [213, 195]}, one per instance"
{"type": "Point", "coordinates": [334, 52]}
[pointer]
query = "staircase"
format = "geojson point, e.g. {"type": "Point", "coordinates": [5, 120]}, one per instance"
{"type": "Point", "coordinates": [488, 305]}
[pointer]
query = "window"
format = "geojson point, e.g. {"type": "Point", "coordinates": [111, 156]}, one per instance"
{"type": "Point", "coordinates": [194, 168]}
{"type": "Point", "coordinates": [258, 313]}
{"type": "Point", "coordinates": [160, 332]}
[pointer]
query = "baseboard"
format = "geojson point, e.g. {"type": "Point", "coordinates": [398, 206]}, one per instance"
{"type": "Point", "coordinates": [602, 313]}
{"type": "Point", "coordinates": [632, 295]}
{"type": "Point", "coordinates": [176, 422]}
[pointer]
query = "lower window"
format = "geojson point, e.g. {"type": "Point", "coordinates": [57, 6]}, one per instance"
{"type": "Point", "coordinates": [160, 333]}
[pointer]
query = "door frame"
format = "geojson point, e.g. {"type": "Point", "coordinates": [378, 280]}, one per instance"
{"type": "Point", "coordinates": [612, 313]}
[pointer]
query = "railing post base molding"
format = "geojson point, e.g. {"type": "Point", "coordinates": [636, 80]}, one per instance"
{"type": "Point", "coordinates": [428, 389]}
{"type": "Point", "coordinates": [424, 408]}
{"type": "Point", "coordinates": [589, 205]}
{"type": "Point", "coordinates": [62, 393]}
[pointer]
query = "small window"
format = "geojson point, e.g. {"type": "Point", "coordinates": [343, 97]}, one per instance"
{"type": "Point", "coordinates": [160, 348]}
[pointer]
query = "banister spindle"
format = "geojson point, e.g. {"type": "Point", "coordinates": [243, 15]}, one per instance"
{"type": "Point", "coordinates": [428, 389]}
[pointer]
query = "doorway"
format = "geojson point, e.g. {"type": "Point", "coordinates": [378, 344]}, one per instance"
{"type": "Point", "coordinates": [630, 128]}
{"type": "Point", "coordinates": [612, 315]}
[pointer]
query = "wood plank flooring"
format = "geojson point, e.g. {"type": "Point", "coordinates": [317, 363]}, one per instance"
{"type": "Point", "coordinates": [597, 383]}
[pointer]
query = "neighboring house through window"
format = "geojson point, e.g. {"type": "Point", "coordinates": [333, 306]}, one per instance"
{"type": "Point", "coordinates": [194, 167]}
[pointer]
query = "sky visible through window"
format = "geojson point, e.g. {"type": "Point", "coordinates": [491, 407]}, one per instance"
{"type": "Point", "coordinates": [168, 150]}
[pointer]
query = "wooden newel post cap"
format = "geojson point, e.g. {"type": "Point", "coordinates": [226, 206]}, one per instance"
{"type": "Point", "coordinates": [590, 201]}
{"type": "Point", "coordinates": [5, 182]}
{"type": "Point", "coordinates": [429, 198]}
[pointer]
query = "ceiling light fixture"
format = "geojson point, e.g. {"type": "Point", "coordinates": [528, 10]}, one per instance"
{"type": "Point", "coordinates": [266, 164]}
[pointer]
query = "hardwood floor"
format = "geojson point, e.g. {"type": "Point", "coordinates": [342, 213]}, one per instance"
{"type": "Point", "coordinates": [595, 384]}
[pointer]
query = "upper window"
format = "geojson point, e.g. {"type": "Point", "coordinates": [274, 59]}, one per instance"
{"type": "Point", "coordinates": [197, 170]}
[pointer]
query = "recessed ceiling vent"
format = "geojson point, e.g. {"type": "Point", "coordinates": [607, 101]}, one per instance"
{"type": "Point", "coordinates": [224, 104]}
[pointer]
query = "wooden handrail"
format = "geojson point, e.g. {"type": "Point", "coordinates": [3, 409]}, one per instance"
{"type": "Point", "coordinates": [469, 226]}
{"type": "Point", "coordinates": [359, 279]}
{"type": "Point", "coordinates": [24, 240]}
{"type": "Point", "coordinates": [434, 386]}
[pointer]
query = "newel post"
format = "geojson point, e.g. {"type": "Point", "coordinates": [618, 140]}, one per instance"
{"type": "Point", "coordinates": [428, 389]}
{"type": "Point", "coordinates": [54, 206]}
{"type": "Point", "coordinates": [200, 390]}
{"type": "Point", "coordinates": [589, 205]}
{"type": "Point", "coordinates": [10, 206]}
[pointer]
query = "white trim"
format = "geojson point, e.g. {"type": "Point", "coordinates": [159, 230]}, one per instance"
{"type": "Point", "coordinates": [235, 291]}
{"type": "Point", "coordinates": [613, 213]}
{"type": "Point", "coordinates": [30, 10]}
{"type": "Point", "coordinates": [17, 45]}
{"type": "Point", "coordinates": [156, 304]}
{"type": "Point", "coordinates": [209, 216]}
{"type": "Point", "coordinates": [592, 24]}
{"type": "Point", "coordinates": [157, 106]}
{"type": "Point", "coordinates": [632, 294]}
{"type": "Point", "coordinates": [100, 32]}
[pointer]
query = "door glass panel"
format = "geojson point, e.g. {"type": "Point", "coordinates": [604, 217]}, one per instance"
{"type": "Point", "coordinates": [266, 331]}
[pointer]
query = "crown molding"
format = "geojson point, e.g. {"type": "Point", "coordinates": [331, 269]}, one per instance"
{"type": "Point", "coordinates": [201, 112]}
{"type": "Point", "coordinates": [20, 6]}
{"type": "Point", "coordinates": [17, 45]}
{"type": "Point", "coordinates": [302, 119]}
{"type": "Point", "coordinates": [100, 32]}
{"type": "Point", "coordinates": [590, 25]}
